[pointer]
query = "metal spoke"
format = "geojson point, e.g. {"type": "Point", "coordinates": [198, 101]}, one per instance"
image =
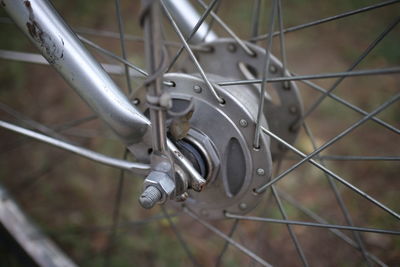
{"type": "Point", "coordinates": [138, 168]}
{"type": "Point", "coordinates": [333, 140]}
{"type": "Point", "coordinates": [255, 19]}
{"type": "Point", "coordinates": [360, 158]}
{"type": "Point", "coordinates": [311, 224]}
{"type": "Point", "coordinates": [394, 70]}
{"type": "Point", "coordinates": [122, 226]}
{"type": "Point", "coordinates": [265, 73]}
{"type": "Point", "coordinates": [73, 123]}
{"type": "Point", "coordinates": [282, 39]}
{"type": "Point", "coordinates": [31, 123]}
{"type": "Point", "coordinates": [179, 236]}
{"type": "Point", "coordinates": [58, 128]}
{"type": "Point", "coordinates": [320, 220]}
{"type": "Point", "coordinates": [367, 51]}
{"type": "Point", "coordinates": [29, 180]}
{"type": "Point", "coordinates": [111, 243]}
{"type": "Point", "coordinates": [112, 55]}
{"type": "Point", "coordinates": [122, 42]}
{"type": "Point", "coordinates": [332, 18]}
{"type": "Point", "coordinates": [227, 238]}
{"type": "Point", "coordinates": [228, 30]}
{"type": "Point", "coordinates": [293, 236]}
{"type": "Point", "coordinates": [338, 196]}
{"type": "Point", "coordinates": [337, 177]}
{"type": "Point", "coordinates": [113, 35]}
{"type": "Point", "coordinates": [351, 106]}
{"type": "Point", "coordinates": [212, 20]}
{"type": "Point", "coordinates": [192, 56]}
{"type": "Point", "coordinates": [39, 59]}
{"type": "Point", "coordinates": [196, 27]}
{"type": "Point", "coordinates": [226, 244]}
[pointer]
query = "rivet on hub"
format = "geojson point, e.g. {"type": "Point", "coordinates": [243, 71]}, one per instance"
{"type": "Point", "coordinates": [260, 172]}
{"type": "Point", "coordinates": [243, 123]}
{"type": "Point", "coordinates": [197, 89]}
{"type": "Point", "coordinates": [272, 69]}
{"type": "Point", "coordinates": [243, 206]}
{"type": "Point", "coordinates": [231, 48]}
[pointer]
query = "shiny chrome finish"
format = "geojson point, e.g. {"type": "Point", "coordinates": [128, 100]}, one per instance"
{"type": "Point", "coordinates": [231, 161]}
{"type": "Point", "coordinates": [62, 49]}
{"type": "Point", "coordinates": [197, 182]}
{"type": "Point", "coordinates": [283, 107]}
{"type": "Point", "coordinates": [155, 59]}
{"type": "Point", "coordinates": [137, 168]}
{"type": "Point", "coordinates": [39, 59]}
{"type": "Point", "coordinates": [186, 17]}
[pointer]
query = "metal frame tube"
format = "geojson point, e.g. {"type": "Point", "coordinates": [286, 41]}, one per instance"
{"type": "Point", "coordinates": [62, 49]}
{"type": "Point", "coordinates": [187, 17]}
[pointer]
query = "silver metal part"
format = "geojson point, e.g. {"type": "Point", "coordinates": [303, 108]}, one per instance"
{"type": "Point", "coordinates": [283, 106]}
{"type": "Point", "coordinates": [187, 17]}
{"type": "Point", "coordinates": [207, 149]}
{"type": "Point", "coordinates": [39, 248]}
{"type": "Point", "coordinates": [197, 182]}
{"type": "Point", "coordinates": [39, 59]}
{"type": "Point", "coordinates": [181, 183]}
{"type": "Point", "coordinates": [138, 168]}
{"type": "Point", "coordinates": [62, 49]}
{"type": "Point", "coordinates": [154, 61]}
{"type": "Point", "coordinates": [225, 145]}
{"type": "Point", "coordinates": [162, 182]}
{"type": "Point", "coordinates": [150, 196]}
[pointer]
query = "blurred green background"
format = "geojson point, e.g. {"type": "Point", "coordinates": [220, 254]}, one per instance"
{"type": "Point", "coordinates": [72, 199]}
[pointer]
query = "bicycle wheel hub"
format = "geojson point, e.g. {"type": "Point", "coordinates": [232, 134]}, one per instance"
{"type": "Point", "coordinates": [218, 138]}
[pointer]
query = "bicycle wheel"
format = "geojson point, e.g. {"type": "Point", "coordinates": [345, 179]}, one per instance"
{"type": "Point", "coordinates": [329, 134]}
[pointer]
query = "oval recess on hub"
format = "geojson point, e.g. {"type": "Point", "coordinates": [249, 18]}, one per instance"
{"type": "Point", "coordinates": [235, 167]}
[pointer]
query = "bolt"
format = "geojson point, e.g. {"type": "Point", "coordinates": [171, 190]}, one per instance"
{"type": "Point", "coordinates": [272, 69]}
{"type": "Point", "coordinates": [231, 48]}
{"type": "Point", "coordinates": [260, 172]}
{"type": "Point", "coordinates": [243, 206]}
{"type": "Point", "coordinates": [197, 89]}
{"type": "Point", "coordinates": [150, 196]}
{"type": "Point", "coordinates": [243, 123]}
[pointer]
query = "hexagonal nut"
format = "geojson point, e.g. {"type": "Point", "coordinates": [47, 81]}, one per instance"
{"type": "Point", "coordinates": [163, 183]}
{"type": "Point", "coordinates": [207, 148]}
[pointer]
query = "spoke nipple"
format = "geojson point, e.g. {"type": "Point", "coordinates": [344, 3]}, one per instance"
{"type": "Point", "coordinates": [272, 69]}
{"type": "Point", "coordinates": [260, 172]}
{"type": "Point", "coordinates": [197, 89]}
{"type": "Point", "coordinates": [243, 123]}
{"type": "Point", "coordinates": [286, 85]}
{"type": "Point", "coordinates": [232, 48]}
{"type": "Point", "coordinates": [150, 196]}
